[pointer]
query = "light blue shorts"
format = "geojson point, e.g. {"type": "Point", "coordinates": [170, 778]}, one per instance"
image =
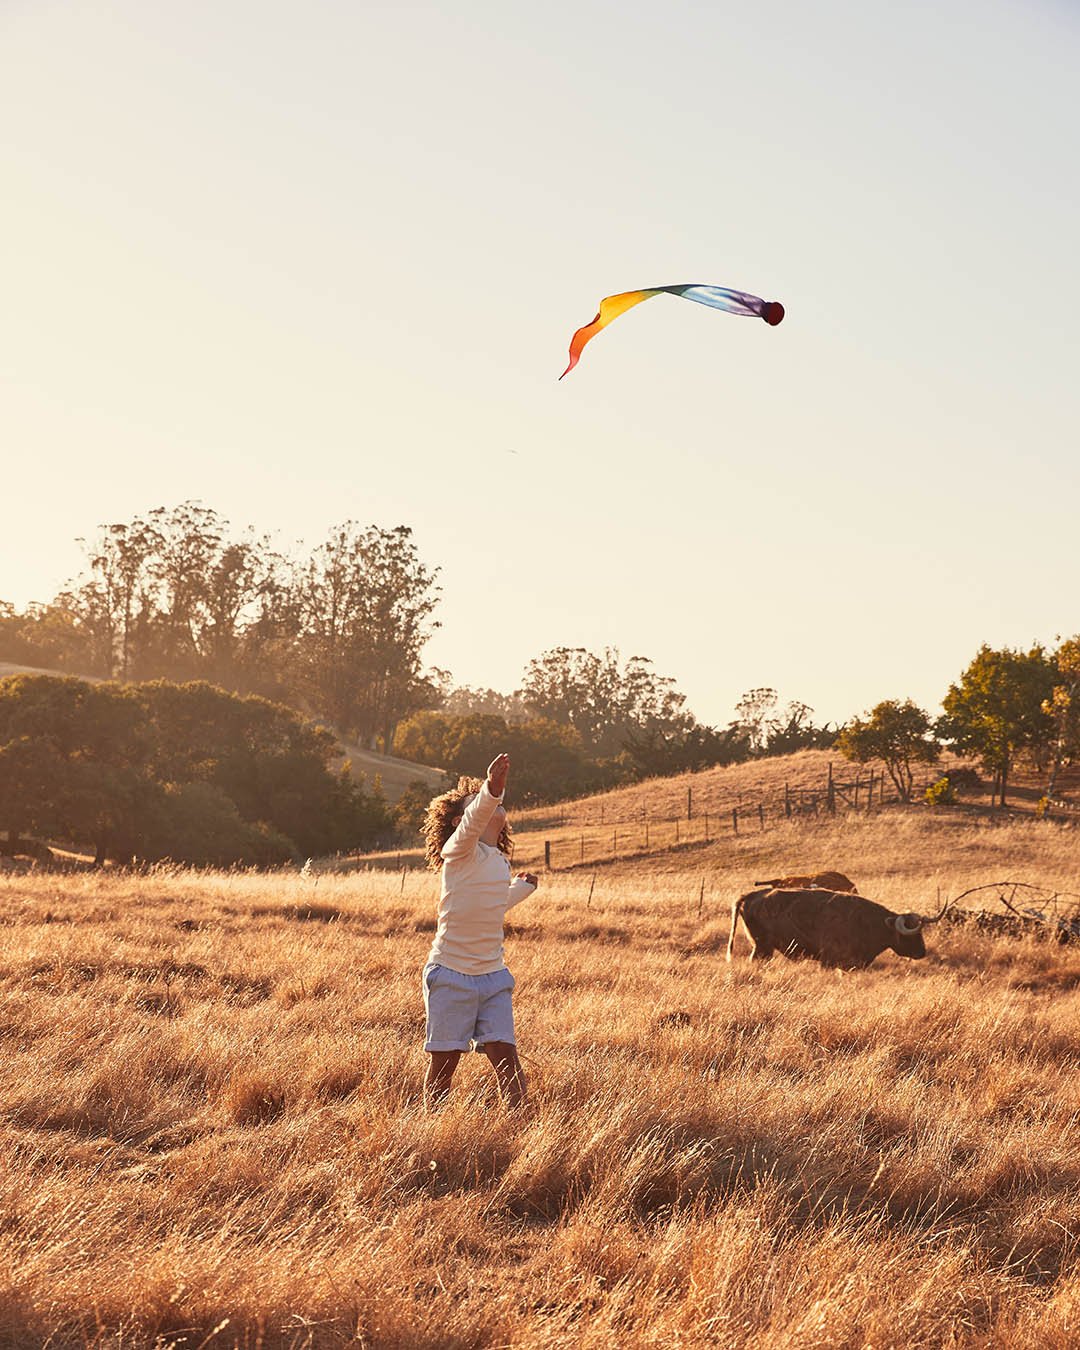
{"type": "Point", "coordinates": [466, 1011]}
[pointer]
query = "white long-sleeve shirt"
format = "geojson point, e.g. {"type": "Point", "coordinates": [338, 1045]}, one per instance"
{"type": "Point", "coordinates": [476, 893]}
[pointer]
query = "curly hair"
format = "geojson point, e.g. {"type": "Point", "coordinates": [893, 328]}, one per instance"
{"type": "Point", "coordinates": [441, 819]}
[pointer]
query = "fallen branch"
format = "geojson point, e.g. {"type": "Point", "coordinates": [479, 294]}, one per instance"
{"type": "Point", "coordinates": [1050, 902]}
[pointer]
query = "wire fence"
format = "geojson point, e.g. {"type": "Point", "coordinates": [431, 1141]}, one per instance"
{"type": "Point", "coordinates": [632, 839]}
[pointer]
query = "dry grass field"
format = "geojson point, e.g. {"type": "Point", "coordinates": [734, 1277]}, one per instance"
{"type": "Point", "coordinates": [212, 1134]}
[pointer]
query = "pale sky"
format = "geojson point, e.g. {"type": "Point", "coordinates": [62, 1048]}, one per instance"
{"type": "Point", "coordinates": [307, 262]}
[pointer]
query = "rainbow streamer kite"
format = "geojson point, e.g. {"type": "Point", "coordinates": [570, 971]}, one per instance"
{"type": "Point", "coordinates": [716, 297]}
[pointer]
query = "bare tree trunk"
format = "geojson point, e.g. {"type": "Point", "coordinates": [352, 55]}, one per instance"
{"type": "Point", "coordinates": [1055, 769]}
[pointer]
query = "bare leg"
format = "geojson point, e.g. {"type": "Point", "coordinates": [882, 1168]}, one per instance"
{"type": "Point", "coordinates": [440, 1070]}
{"type": "Point", "coordinates": [504, 1060]}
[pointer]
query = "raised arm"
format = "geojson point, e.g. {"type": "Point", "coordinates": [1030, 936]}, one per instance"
{"type": "Point", "coordinates": [462, 843]}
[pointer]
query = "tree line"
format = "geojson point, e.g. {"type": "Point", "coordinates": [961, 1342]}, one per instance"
{"type": "Point", "coordinates": [338, 630]}
{"type": "Point", "coordinates": [191, 772]}
{"type": "Point", "coordinates": [585, 721]}
{"type": "Point", "coordinates": [1008, 705]}
{"type": "Point", "coordinates": [338, 633]}
{"type": "Point", "coordinates": [160, 770]}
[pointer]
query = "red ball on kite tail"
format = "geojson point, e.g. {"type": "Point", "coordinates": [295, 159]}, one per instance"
{"type": "Point", "coordinates": [716, 297]}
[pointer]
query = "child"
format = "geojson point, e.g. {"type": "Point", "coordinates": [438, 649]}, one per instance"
{"type": "Point", "coordinates": [466, 983]}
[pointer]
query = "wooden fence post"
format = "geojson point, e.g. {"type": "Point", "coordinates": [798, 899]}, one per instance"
{"type": "Point", "coordinates": [761, 814]}
{"type": "Point", "coordinates": [582, 848]}
{"type": "Point", "coordinates": [547, 855]}
{"type": "Point", "coordinates": [858, 784]}
{"type": "Point", "coordinates": [787, 800]}
{"type": "Point", "coordinates": [676, 829]}
{"type": "Point", "coordinates": [735, 818]}
{"type": "Point", "coordinates": [830, 792]}
{"type": "Point", "coordinates": [588, 903]}
{"type": "Point", "coordinates": [701, 895]}
{"type": "Point", "coordinates": [689, 802]}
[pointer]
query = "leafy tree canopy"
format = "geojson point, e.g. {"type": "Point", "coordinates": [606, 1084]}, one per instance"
{"type": "Point", "coordinates": [602, 698]}
{"type": "Point", "coordinates": [179, 594]}
{"type": "Point", "coordinates": [996, 709]}
{"type": "Point", "coordinates": [897, 733]}
{"type": "Point", "coordinates": [769, 729]}
{"type": "Point", "coordinates": [548, 759]}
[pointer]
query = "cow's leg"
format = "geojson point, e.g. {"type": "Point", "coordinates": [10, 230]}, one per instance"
{"type": "Point", "coordinates": [762, 950]}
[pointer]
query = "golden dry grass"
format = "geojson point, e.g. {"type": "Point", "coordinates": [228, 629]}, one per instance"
{"type": "Point", "coordinates": [211, 1115]}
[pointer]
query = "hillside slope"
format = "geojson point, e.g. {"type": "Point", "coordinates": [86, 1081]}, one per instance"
{"type": "Point", "coordinates": [659, 815]}
{"type": "Point", "coordinates": [395, 774]}
{"type": "Point", "coordinates": [10, 668]}
{"type": "Point", "coordinates": [784, 785]}
{"type": "Point", "coordinates": [715, 790]}
{"type": "Point", "coordinates": [908, 856]}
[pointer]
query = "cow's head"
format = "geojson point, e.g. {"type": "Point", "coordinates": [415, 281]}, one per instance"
{"type": "Point", "coordinates": [905, 935]}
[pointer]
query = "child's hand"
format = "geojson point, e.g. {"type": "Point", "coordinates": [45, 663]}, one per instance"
{"type": "Point", "coordinates": [530, 877]}
{"type": "Point", "coordinates": [496, 775]}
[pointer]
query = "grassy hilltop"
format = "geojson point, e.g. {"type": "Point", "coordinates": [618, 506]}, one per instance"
{"type": "Point", "coordinates": [211, 1113]}
{"type": "Point", "coordinates": [646, 826]}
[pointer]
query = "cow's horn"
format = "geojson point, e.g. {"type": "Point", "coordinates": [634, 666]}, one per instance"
{"type": "Point", "coordinates": [908, 924]}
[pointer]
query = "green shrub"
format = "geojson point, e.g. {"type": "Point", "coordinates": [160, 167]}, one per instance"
{"type": "Point", "coordinates": [941, 793]}
{"type": "Point", "coordinates": [408, 811]}
{"type": "Point", "coordinates": [197, 823]}
{"type": "Point", "coordinates": [187, 772]}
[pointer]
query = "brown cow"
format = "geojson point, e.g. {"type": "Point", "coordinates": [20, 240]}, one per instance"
{"type": "Point", "coordinates": [832, 927]}
{"type": "Point", "coordinates": [822, 881]}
